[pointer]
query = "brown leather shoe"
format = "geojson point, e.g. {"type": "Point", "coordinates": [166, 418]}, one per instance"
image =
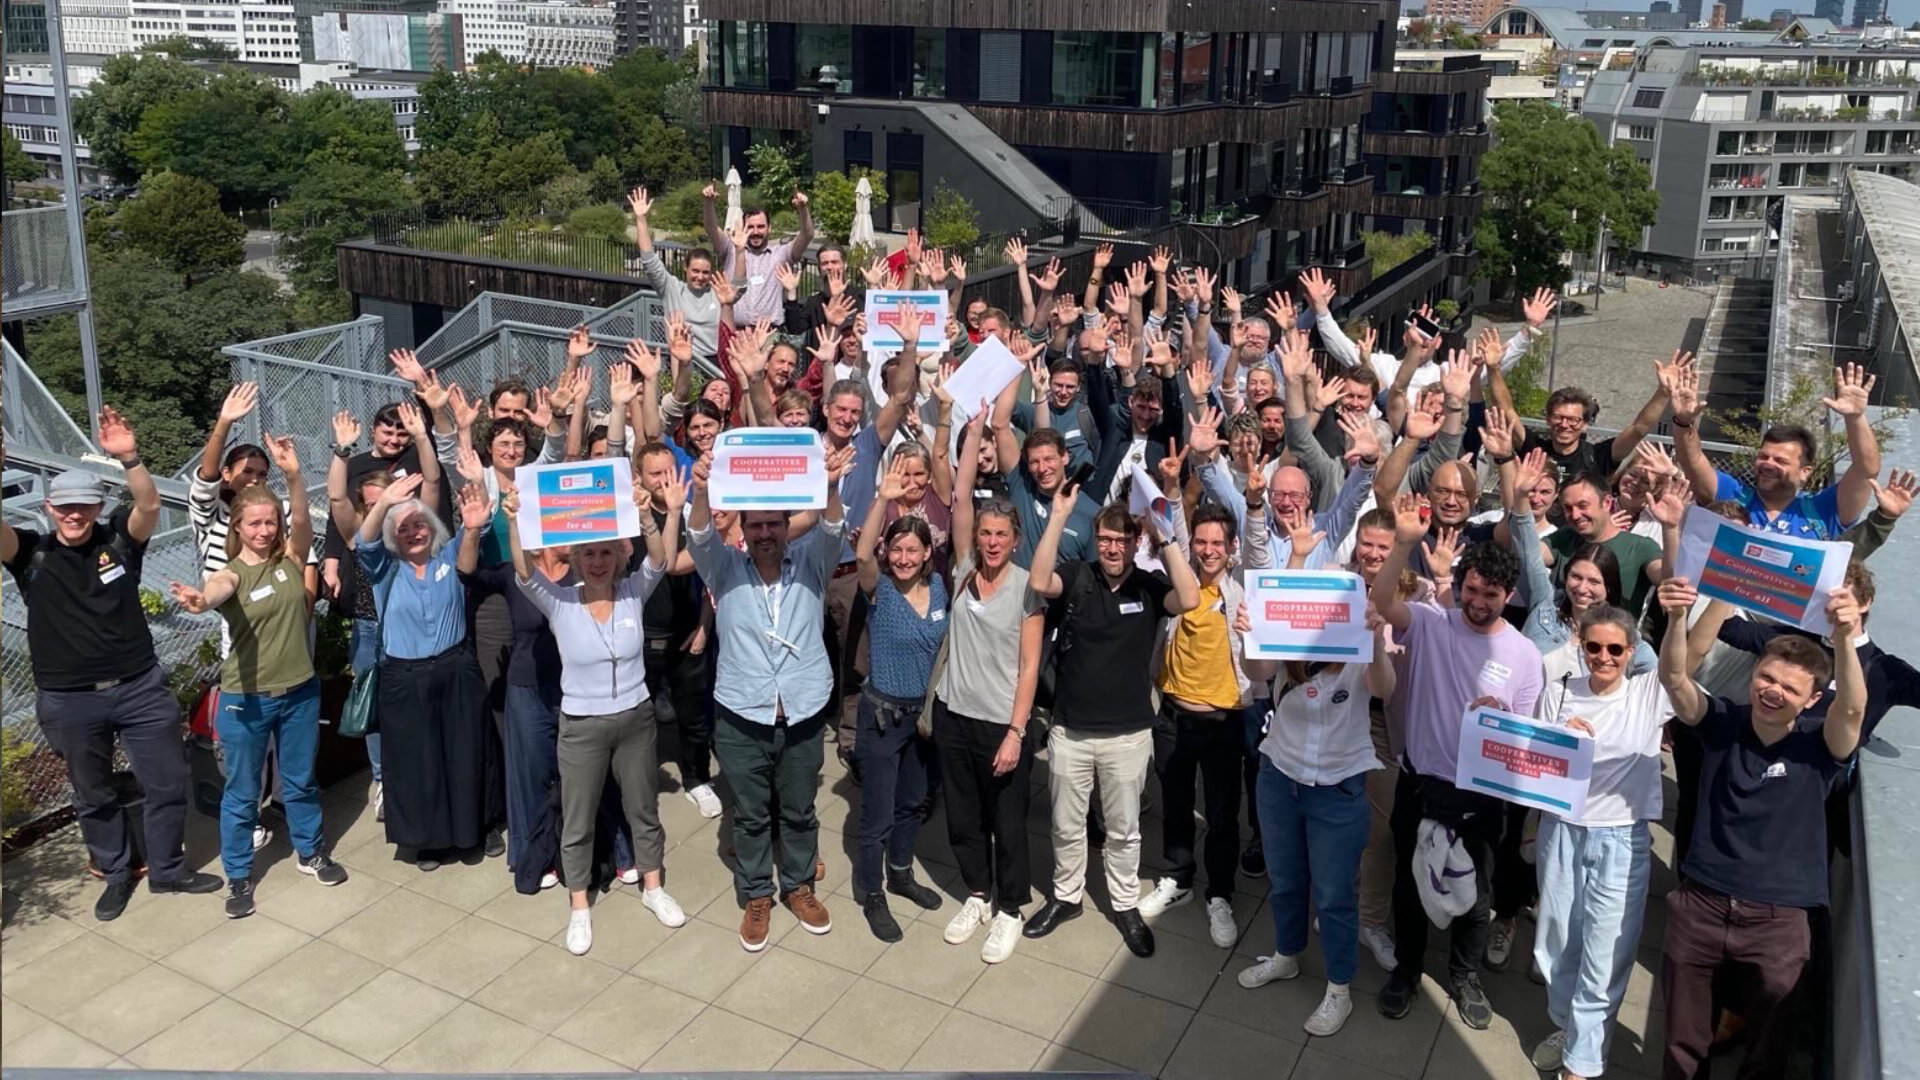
{"type": "Point", "coordinates": [754, 924]}
{"type": "Point", "coordinates": [809, 910]}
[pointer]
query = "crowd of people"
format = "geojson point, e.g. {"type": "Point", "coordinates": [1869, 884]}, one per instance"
{"type": "Point", "coordinates": [977, 594]}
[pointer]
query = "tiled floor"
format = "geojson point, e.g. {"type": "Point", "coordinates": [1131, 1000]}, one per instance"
{"type": "Point", "coordinates": [452, 971]}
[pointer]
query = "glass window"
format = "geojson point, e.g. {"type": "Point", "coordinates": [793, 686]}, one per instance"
{"type": "Point", "coordinates": [1095, 68]}
{"type": "Point", "coordinates": [824, 51]}
{"type": "Point", "coordinates": [929, 62]}
{"type": "Point", "coordinates": [744, 54]}
{"type": "Point", "coordinates": [1169, 64]}
{"type": "Point", "coordinates": [1196, 68]}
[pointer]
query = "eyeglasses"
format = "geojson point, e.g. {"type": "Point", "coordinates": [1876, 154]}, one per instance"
{"type": "Point", "coordinates": [1611, 648]}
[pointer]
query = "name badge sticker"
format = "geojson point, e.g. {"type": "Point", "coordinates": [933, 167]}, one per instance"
{"type": "Point", "coordinates": [112, 574]}
{"type": "Point", "coordinates": [623, 624]}
{"type": "Point", "coordinates": [260, 594]}
{"type": "Point", "coordinates": [1132, 607]}
{"type": "Point", "coordinates": [440, 572]}
{"type": "Point", "coordinates": [280, 575]}
{"type": "Point", "coordinates": [937, 616]}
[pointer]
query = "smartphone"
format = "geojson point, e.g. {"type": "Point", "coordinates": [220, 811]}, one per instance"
{"type": "Point", "coordinates": [1081, 475]}
{"type": "Point", "coordinates": [1424, 325]}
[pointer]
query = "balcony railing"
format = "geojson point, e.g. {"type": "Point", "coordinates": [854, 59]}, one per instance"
{"type": "Point", "coordinates": [36, 264]}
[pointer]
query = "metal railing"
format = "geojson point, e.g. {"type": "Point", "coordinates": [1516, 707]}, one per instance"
{"type": "Point", "coordinates": [36, 263]}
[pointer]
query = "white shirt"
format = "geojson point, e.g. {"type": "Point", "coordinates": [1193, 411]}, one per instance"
{"type": "Point", "coordinates": [1136, 455]}
{"type": "Point", "coordinates": [1626, 745]}
{"type": "Point", "coordinates": [1320, 731]}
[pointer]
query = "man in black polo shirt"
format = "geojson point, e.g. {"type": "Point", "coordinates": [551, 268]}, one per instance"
{"type": "Point", "coordinates": [1103, 703]}
{"type": "Point", "coordinates": [96, 672]}
{"type": "Point", "coordinates": [1758, 858]}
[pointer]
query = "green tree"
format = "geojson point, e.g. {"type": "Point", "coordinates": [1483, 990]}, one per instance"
{"type": "Point", "coordinates": [111, 110]}
{"type": "Point", "coordinates": [1755, 24]}
{"type": "Point", "coordinates": [833, 201]}
{"type": "Point", "coordinates": [1801, 404]}
{"type": "Point", "coordinates": [226, 133]}
{"type": "Point", "coordinates": [659, 154]}
{"type": "Point", "coordinates": [777, 172]}
{"type": "Point", "coordinates": [334, 124]}
{"type": "Point", "coordinates": [1388, 250]}
{"type": "Point", "coordinates": [332, 201]}
{"type": "Point", "coordinates": [1550, 182]}
{"type": "Point", "coordinates": [949, 220]}
{"type": "Point", "coordinates": [19, 164]}
{"type": "Point", "coordinates": [604, 180]}
{"type": "Point", "coordinates": [177, 219]}
{"type": "Point", "coordinates": [182, 47]}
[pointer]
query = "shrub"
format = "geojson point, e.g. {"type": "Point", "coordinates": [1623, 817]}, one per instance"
{"type": "Point", "coordinates": [1388, 250]}
{"type": "Point", "coordinates": [833, 201]}
{"type": "Point", "coordinates": [949, 221]}
{"type": "Point", "coordinates": [605, 221]}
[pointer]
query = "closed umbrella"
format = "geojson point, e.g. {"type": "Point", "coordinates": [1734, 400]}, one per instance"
{"type": "Point", "coordinates": [733, 200]}
{"type": "Point", "coordinates": [862, 232]}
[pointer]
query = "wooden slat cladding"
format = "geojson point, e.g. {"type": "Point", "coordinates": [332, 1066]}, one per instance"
{"type": "Point", "coordinates": [451, 281]}
{"type": "Point", "coordinates": [1151, 16]}
{"type": "Point", "coordinates": [1233, 241]}
{"type": "Point", "coordinates": [1351, 196]}
{"type": "Point", "coordinates": [1434, 82]}
{"type": "Point", "coordinates": [759, 108]}
{"type": "Point", "coordinates": [1413, 144]}
{"type": "Point", "coordinates": [1400, 287]}
{"type": "Point", "coordinates": [1324, 111]}
{"type": "Point", "coordinates": [1300, 211]}
{"type": "Point", "coordinates": [1426, 206]}
{"type": "Point", "coordinates": [1351, 278]}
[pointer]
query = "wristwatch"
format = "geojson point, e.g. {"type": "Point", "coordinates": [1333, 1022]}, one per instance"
{"type": "Point", "coordinates": [1501, 459]}
{"type": "Point", "coordinates": [342, 451]}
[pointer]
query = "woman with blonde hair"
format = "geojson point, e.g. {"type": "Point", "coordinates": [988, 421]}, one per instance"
{"type": "Point", "coordinates": [268, 692]}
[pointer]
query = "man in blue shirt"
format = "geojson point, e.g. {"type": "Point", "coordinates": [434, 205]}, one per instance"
{"type": "Point", "coordinates": [1784, 463]}
{"type": "Point", "coordinates": [772, 691]}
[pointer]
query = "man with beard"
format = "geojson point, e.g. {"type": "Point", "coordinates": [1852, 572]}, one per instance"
{"type": "Point", "coordinates": [1583, 502]}
{"type": "Point", "coordinates": [1456, 658]}
{"type": "Point", "coordinates": [1775, 499]}
{"type": "Point", "coordinates": [763, 297]}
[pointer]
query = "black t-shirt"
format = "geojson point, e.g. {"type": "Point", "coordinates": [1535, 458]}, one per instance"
{"type": "Point", "coordinates": [84, 621]}
{"type": "Point", "coordinates": [1891, 681]}
{"type": "Point", "coordinates": [534, 658]}
{"type": "Point", "coordinates": [1103, 683]}
{"type": "Point", "coordinates": [1761, 830]}
{"type": "Point", "coordinates": [1590, 456]}
{"type": "Point", "coordinates": [672, 610]}
{"type": "Point", "coordinates": [353, 600]}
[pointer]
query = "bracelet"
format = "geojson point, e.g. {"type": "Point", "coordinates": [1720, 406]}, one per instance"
{"type": "Point", "coordinates": [1499, 459]}
{"type": "Point", "coordinates": [1016, 729]}
{"type": "Point", "coordinates": [131, 463]}
{"type": "Point", "coordinates": [1677, 422]}
{"type": "Point", "coordinates": [342, 451]}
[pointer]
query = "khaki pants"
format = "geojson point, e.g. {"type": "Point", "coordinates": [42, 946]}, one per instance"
{"type": "Point", "coordinates": [1121, 764]}
{"type": "Point", "coordinates": [1376, 862]}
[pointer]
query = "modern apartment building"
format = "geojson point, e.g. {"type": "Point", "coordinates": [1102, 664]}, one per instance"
{"type": "Point", "coordinates": [1728, 133]}
{"type": "Point", "coordinates": [490, 26]}
{"type": "Point", "coordinates": [258, 31]}
{"type": "Point", "coordinates": [97, 27]}
{"type": "Point", "coordinates": [386, 41]}
{"type": "Point", "coordinates": [1250, 129]}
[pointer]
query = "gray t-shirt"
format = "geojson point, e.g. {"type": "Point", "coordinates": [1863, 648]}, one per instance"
{"type": "Point", "coordinates": [983, 651]}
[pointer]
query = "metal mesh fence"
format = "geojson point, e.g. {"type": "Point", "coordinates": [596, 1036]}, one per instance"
{"type": "Point", "coordinates": [36, 265]}
{"type": "Point", "coordinates": [34, 417]}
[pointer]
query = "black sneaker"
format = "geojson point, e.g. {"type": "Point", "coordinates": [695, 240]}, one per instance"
{"type": "Point", "coordinates": [496, 843]}
{"type": "Point", "coordinates": [188, 883]}
{"type": "Point", "coordinates": [239, 898]}
{"type": "Point", "coordinates": [902, 883]}
{"type": "Point", "coordinates": [1253, 861]}
{"type": "Point", "coordinates": [1396, 998]}
{"type": "Point", "coordinates": [879, 919]}
{"type": "Point", "coordinates": [1471, 1000]}
{"type": "Point", "coordinates": [113, 900]}
{"type": "Point", "coordinates": [323, 869]}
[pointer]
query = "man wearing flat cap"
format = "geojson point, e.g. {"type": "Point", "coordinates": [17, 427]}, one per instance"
{"type": "Point", "coordinates": [95, 670]}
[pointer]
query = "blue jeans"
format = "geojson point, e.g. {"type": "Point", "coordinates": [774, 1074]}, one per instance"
{"type": "Point", "coordinates": [532, 767]}
{"type": "Point", "coordinates": [1313, 837]}
{"type": "Point", "coordinates": [894, 766]}
{"type": "Point", "coordinates": [1593, 898]}
{"type": "Point", "coordinates": [245, 723]}
{"type": "Point", "coordinates": [363, 653]}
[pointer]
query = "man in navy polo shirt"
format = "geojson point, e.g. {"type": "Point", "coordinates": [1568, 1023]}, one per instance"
{"type": "Point", "coordinates": [1784, 463]}
{"type": "Point", "coordinates": [1758, 857]}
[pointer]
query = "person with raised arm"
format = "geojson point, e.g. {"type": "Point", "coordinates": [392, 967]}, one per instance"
{"type": "Point", "coordinates": [695, 298]}
{"type": "Point", "coordinates": [754, 257]}
{"type": "Point", "coordinates": [1758, 857]}
{"type": "Point", "coordinates": [95, 673]}
{"type": "Point", "coordinates": [268, 692]}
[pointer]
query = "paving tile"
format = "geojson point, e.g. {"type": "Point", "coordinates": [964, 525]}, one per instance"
{"type": "Point", "coordinates": [1484, 1055]}
{"type": "Point", "coordinates": [469, 1039]}
{"type": "Point", "coordinates": [392, 927]}
{"type": "Point", "coordinates": [465, 887]}
{"type": "Point", "coordinates": [71, 974]}
{"type": "Point", "coordinates": [785, 990]}
{"type": "Point", "coordinates": [1126, 1027]}
{"type": "Point", "coordinates": [235, 951]}
{"type": "Point", "coordinates": [300, 1052]}
{"type": "Point", "coordinates": [548, 985]}
{"type": "Point", "coordinates": [851, 946]}
{"type": "Point", "coordinates": [311, 980]}
{"type": "Point", "coordinates": [550, 1055]}
{"type": "Point", "coordinates": [223, 1035]}
{"type": "Point", "coordinates": [1314, 1064]}
{"type": "Point", "coordinates": [471, 954]}
{"type": "Point", "coordinates": [964, 1042]}
{"type": "Point", "coordinates": [1085, 944]}
{"type": "Point", "coordinates": [137, 1008]}
{"type": "Point", "coordinates": [1213, 1049]}
{"type": "Point", "coordinates": [1032, 995]}
{"type": "Point", "coordinates": [155, 926]}
{"type": "Point", "coordinates": [806, 1057]}
{"type": "Point", "coordinates": [719, 1041]}
{"type": "Point", "coordinates": [382, 1016]}
{"type": "Point", "coordinates": [51, 1046]}
{"type": "Point", "coordinates": [1181, 970]}
{"type": "Point", "coordinates": [624, 930]}
{"type": "Point", "coordinates": [542, 916]}
{"type": "Point", "coordinates": [1396, 1047]}
{"type": "Point", "coordinates": [924, 963]}
{"type": "Point", "coordinates": [1189, 920]}
{"type": "Point", "coordinates": [877, 1024]}
{"type": "Point", "coordinates": [1059, 1058]}
{"type": "Point", "coordinates": [30, 934]}
{"type": "Point", "coordinates": [701, 960]}
{"type": "Point", "coordinates": [315, 910]}
{"type": "Point", "coordinates": [697, 877]}
{"type": "Point", "coordinates": [16, 1020]}
{"type": "Point", "coordinates": [629, 1021]}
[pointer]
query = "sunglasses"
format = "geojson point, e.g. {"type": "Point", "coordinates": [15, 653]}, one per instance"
{"type": "Point", "coordinates": [1611, 648]}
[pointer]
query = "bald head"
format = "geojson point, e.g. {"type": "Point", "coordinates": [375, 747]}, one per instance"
{"type": "Point", "coordinates": [1289, 490]}
{"type": "Point", "coordinates": [1452, 491]}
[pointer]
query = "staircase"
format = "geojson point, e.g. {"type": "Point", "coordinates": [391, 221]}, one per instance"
{"type": "Point", "coordinates": [1734, 347]}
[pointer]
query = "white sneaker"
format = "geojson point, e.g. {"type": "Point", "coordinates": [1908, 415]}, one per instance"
{"type": "Point", "coordinates": [1220, 925]}
{"type": "Point", "coordinates": [663, 907]}
{"type": "Point", "coordinates": [1551, 1053]}
{"type": "Point", "coordinates": [579, 931]}
{"type": "Point", "coordinates": [1269, 969]}
{"type": "Point", "coordinates": [1165, 894]}
{"type": "Point", "coordinates": [630, 876]}
{"type": "Point", "coordinates": [703, 797]}
{"type": "Point", "coordinates": [379, 801]}
{"type": "Point", "coordinates": [262, 836]}
{"type": "Point", "coordinates": [549, 879]}
{"type": "Point", "coordinates": [1002, 934]}
{"type": "Point", "coordinates": [967, 920]}
{"type": "Point", "coordinates": [1332, 1014]}
{"type": "Point", "coordinates": [1380, 944]}
{"type": "Point", "coordinates": [1499, 944]}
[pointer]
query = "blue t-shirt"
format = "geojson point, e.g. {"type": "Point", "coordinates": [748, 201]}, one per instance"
{"type": "Point", "coordinates": [1809, 517]}
{"type": "Point", "coordinates": [420, 617]}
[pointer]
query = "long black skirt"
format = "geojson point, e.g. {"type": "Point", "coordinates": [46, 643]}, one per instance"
{"type": "Point", "coordinates": [434, 724]}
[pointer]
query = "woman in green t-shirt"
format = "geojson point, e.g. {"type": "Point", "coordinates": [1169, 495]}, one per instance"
{"type": "Point", "coordinates": [267, 685]}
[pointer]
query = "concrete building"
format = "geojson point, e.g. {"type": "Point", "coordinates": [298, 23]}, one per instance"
{"type": "Point", "coordinates": [97, 27]}
{"type": "Point", "coordinates": [1729, 133]}
{"type": "Point", "coordinates": [1587, 43]}
{"type": "Point", "coordinates": [306, 11]}
{"type": "Point", "coordinates": [490, 26]}
{"type": "Point", "coordinates": [386, 41]}
{"type": "Point", "coordinates": [561, 34]}
{"type": "Point", "coordinates": [258, 31]}
{"type": "Point", "coordinates": [1462, 12]}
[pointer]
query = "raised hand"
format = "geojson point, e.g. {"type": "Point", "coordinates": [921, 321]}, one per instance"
{"type": "Point", "coordinates": [799, 200]}
{"type": "Point", "coordinates": [239, 402]}
{"type": "Point", "coordinates": [1668, 374]}
{"type": "Point", "coordinates": [1896, 495]}
{"type": "Point", "coordinates": [1487, 346]}
{"type": "Point", "coordinates": [1256, 471]}
{"type": "Point", "coordinates": [469, 467]}
{"type": "Point", "coordinates": [1066, 312]}
{"type": "Point", "coordinates": [1203, 283]}
{"type": "Point", "coordinates": [1657, 460]}
{"type": "Point", "coordinates": [1203, 441]}
{"type": "Point", "coordinates": [1686, 394]}
{"type": "Point", "coordinates": [1496, 434]}
{"type": "Point", "coordinates": [541, 412]}
{"type": "Point", "coordinates": [644, 360]}
{"type": "Point", "coordinates": [641, 205]}
{"type": "Point", "coordinates": [412, 420]}
{"type": "Point", "coordinates": [1296, 356]}
{"type": "Point", "coordinates": [1160, 260]}
{"type": "Point", "coordinates": [407, 487]}
{"type": "Point", "coordinates": [933, 267]}
{"type": "Point", "coordinates": [1408, 524]}
{"type": "Point", "coordinates": [1119, 300]}
{"type": "Point", "coordinates": [1369, 340]}
{"type": "Point", "coordinates": [1048, 279]}
{"type": "Point", "coordinates": [476, 511]}
{"type": "Point", "coordinates": [702, 471]}
{"type": "Point", "coordinates": [1320, 289]}
{"type": "Point", "coordinates": [1539, 307]}
{"type": "Point", "coordinates": [1169, 467]}
{"type": "Point", "coordinates": [1852, 385]}
{"type": "Point", "coordinates": [957, 268]}
{"type": "Point", "coordinates": [673, 493]}
{"type": "Point", "coordinates": [1843, 608]}
{"type": "Point", "coordinates": [1231, 299]}
{"type": "Point", "coordinates": [875, 273]}
{"type": "Point", "coordinates": [346, 429]}
{"type": "Point", "coordinates": [286, 455]}
{"type": "Point", "coordinates": [433, 392]}
{"type": "Point", "coordinates": [1532, 466]}
{"type": "Point", "coordinates": [1670, 500]}
{"type": "Point", "coordinates": [1456, 378]}
{"type": "Point", "coordinates": [579, 343]}
{"type": "Point", "coordinates": [406, 365]}
{"type": "Point", "coordinates": [1200, 377]}
{"type": "Point", "coordinates": [839, 463]}
{"type": "Point", "coordinates": [1102, 257]}
{"type": "Point", "coordinates": [1678, 595]}
{"type": "Point", "coordinates": [789, 277]}
{"type": "Point", "coordinates": [1137, 284]}
{"type": "Point", "coordinates": [724, 291]}
{"type": "Point", "coordinates": [1421, 425]}
{"type": "Point", "coordinates": [1362, 443]}
{"type": "Point", "coordinates": [621, 386]}
{"type": "Point", "coordinates": [910, 318]}
{"type": "Point", "coordinates": [913, 245]}
{"type": "Point", "coordinates": [189, 598]}
{"type": "Point", "coordinates": [1298, 523]}
{"type": "Point", "coordinates": [894, 484]}
{"type": "Point", "coordinates": [116, 435]}
{"type": "Point", "coordinates": [826, 344]}
{"type": "Point", "coordinates": [466, 411]}
{"type": "Point", "coordinates": [510, 500]}
{"type": "Point", "coordinates": [1280, 311]}
{"type": "Point", "coordinates": [1063, 501]}
{"type": "Point", "coordinates": [1015, 250]}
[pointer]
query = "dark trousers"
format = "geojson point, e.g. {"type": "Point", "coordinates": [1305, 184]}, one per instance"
{"type": "Point", "coordinates": [1253, 722]}
{"type": "Point", "coordinates": [846, 634]}
{"type": "Point", "coordinates": [434, 726]}
{"type": "Point", "coordinates": [682, 681]}
{"type": "Point", "coordinates": [492, 638]}
{"type": "Point", "coordinates": [894, 764]}
{"type": "Point", "coordinates": [1515, 884]}
{"type": "Point", "coordinates": [1765, 946]}
{"type": "Point", "coordinates": [80, 726]}
{"type": "Point", "coordinates": [1477, 818]}
{"type": "Point", "coordinates": [1687, 762]}
{"type": "Point", "coordinates": [1209, 744]}
{"type": "Point", "coordinates": [532, 768]}
{"type": "Point", "coordinates": [986, 814]}
{"type": "Point", "coordinates": [771, 767]}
